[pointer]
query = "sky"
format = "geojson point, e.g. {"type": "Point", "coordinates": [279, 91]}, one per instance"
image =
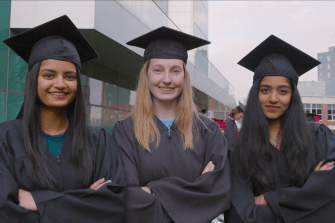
{"type": "Point", "coordinates": [237, 27]}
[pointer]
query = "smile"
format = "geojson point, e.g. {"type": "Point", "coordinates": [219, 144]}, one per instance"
{"type": "Point", "coordinates": [58, 95]}
{"type": "Point", "coordinates": [272, 108]}
{"type": "Point", "coordinates": [166, 88]}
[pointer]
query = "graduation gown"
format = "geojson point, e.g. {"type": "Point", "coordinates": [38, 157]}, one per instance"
{"type": "Point", "coordinates": [181, 193]}
{"type": "Point", "coordinates": [231, 131]}
{"type": "Point", "coordinates": [71, 201]}
{"type": "Point", "coordinates": [312, 203]}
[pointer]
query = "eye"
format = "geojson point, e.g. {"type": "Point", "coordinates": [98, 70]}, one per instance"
{"type": "Point", "coordinates": [157, 70]}
{"type": "Point", "coordinates": [48, 75]}
{"type": "Point", "coordinates": [71, 77]}
{"type": "Point", "coordinates": [283, 91]}
{"type": "Point", "coordinates": [176, 71]}
{"type": "Point", "coordinates": [265, 90]}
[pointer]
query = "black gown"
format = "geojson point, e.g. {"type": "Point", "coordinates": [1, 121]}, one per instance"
{"type": "Point", "coordinates": [312, 203]}
{"type": "Point", "coordinates": [181, 193]}
{"type": "Point", "coordinates": [231, 131]}
{"type": "Point", "coordinates": [70, 201]}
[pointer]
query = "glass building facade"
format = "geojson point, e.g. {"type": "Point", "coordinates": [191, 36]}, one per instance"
{"type": "Point", "coordinates": [109, 82]}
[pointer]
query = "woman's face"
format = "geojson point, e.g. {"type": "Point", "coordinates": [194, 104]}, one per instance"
{"type": "Point", "coordinates": [56, 83]}
{"type": "Point", "coordinates": [274, 96]}
{"type": "Point", "coordinates": [166, 78]}
{"type": "Point", "coordinates": [238, 116]}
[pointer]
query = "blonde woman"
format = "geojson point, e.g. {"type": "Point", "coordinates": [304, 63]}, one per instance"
{"type": "Point", "coordinates": [175, 161]}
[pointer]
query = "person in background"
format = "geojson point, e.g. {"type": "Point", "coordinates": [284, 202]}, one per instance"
{"type": "Point", "coordinates": [231, 131]}
{"type": "Point", "coordinates": [175, 161]}
{"type": "Point", "coordinates": [54, 168]}
{"type": "Point", "coordinates": [282, 165]}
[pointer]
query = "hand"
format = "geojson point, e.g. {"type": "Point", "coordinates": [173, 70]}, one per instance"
{"type": "Point", "coordinates": [26, 200]}
{"type": "Point", "coordinates": [210, 167]}
{"type": "Point", "coordinates": [146, 189]}
{"type": "Point", "coordinates": [327, 166]}
{"type": "Point", "coordinates": [99, 183]}
{"type": "Point", "coordinates": [260, 200]}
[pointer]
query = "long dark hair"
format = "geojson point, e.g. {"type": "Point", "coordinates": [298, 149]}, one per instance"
{"type": "Point", "coordinates": [34, 141]}
{"type": "Point", "coordinates": [298, 154]}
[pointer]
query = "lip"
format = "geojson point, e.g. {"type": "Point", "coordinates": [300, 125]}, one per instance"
{"type": "Point", "coordinates": [166, 89]}
{"type": "Point", "coordinates": [58, 94]}
{"type": "Point", "coordinates": [272, 108]}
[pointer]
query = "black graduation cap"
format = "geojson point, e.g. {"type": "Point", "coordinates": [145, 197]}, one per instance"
{"type": "Point", "coordinates": [275, 57]}
{"type": "Point", "coordinates": [57, 39]}
{"type": "Point", "coordinates": [166, 43]}
{"type": "Point", "coordinates": [240, 107]}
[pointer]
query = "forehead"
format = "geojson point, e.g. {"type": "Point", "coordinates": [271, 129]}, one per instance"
{"type": "Point", "coordinates": [166, 62]}
{"type": "Point", "coordinates": [57, 65]}
{"type": "Point", "coordinates": [275, 81]}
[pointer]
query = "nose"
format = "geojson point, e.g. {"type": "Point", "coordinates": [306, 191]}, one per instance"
{"type": "Point", "coordinates": [273, 97]}
{"type": "Point", "coordinates": [167, 78]}
{"type": "Point", "coordinates": [60, 82]}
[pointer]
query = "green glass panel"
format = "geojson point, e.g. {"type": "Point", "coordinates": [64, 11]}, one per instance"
{"type": "Point", "coordinates": [308, 105]}
{"type": "Point", "coordinates": [2, 106]}
{"type": "Point", "coordinates": [313, 105]}
{"type": "Point", "coordinates": [123, 98]}
{"type": "Point", "coordinates": [4, 34]}
{"type": "Point", "coordinates": [18, 70]}
{"type": "Point", "coordinates": [14, 102]}
{"type": "Point", "coordinates": [319, 106]}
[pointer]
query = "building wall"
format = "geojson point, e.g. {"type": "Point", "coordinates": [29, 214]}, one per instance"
{"type": "Point", "coordinates": [326, 71]}
{"type": "Point", "coordinates": [311, 88]}
{"type": "Point", "coordinates": [321, 105]}
{"type": "Point", "coordinates": [109, 82]}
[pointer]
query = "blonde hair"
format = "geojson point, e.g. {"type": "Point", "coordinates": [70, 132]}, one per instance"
{"type": "Point", "coordinates": [146, 131]}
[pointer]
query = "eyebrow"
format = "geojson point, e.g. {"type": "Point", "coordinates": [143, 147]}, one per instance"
{"type": "Point", "coordinates": [280, 86]}
{"type": "Point", "coordinates": [53, 71]}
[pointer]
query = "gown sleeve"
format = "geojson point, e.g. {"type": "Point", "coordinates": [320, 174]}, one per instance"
{"type": "Point", "coordinates": [10, 211]}
{"type": "Point", "coordinates": [315, 201]}
{"type": "Point", "coordinates": [87, 205]}
{"type": "Point", "coordinates": [243, 208]}
{"type": "Point", "coordinates": [140, 205]}
{"type": "Point", "coordinates": [209, 195]}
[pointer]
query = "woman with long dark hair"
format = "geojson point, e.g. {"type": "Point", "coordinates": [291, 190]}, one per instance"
{"type": "Point", "coordinates": [282, 165]}
{"type": "Point", "coordinates": [175, 161]}
{"type": "Point", "coordinates": [53, 167]}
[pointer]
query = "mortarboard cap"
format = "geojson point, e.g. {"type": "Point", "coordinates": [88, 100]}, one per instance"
{"type": "Point", "coordinates": [275, 57]}
{"type": "Point", "coordinates": [57, 39]}
{"type": "Point", "coordinates": [166, 43]}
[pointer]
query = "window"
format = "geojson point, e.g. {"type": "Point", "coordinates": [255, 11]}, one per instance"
{"type": "Point", "coordinates": [329, 75]}
{"type": "Point", "coordinates": [328, 58]}
{"type": "Point", "coordinates": [328, 66]}
{"type": "Point", "coordinates": [331, 112]}
{"type": "Point", "coordinates": [315, 109]}
{"type": "Point", "coordinates": [320, 57]}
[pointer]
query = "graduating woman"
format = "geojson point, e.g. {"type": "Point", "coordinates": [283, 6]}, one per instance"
{"type": "Point", "coordinates": [231, 131]}
{"type": "Point", "coordinates": [53, 167]}
{"type": "Point", "coordinates": [175, 162]}
{"type": "Point", "coordinates": [282, 165]}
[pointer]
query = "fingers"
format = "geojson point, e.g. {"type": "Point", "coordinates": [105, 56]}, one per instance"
{"type": "Point", "coordinates": [328, 166]}
{"type": "Point", "coordinates": [317, 168]}
{"type": "Point", "coordinates": [100, 185]}
{"type": "Point", "coordinates": [210, 167]}
{"type": "Point", "coordinates": [97, 183]}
